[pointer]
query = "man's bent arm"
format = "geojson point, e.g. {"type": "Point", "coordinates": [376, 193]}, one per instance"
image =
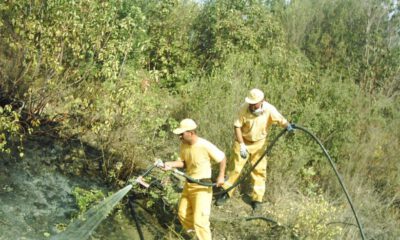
{"type": "Point", "coordinates": [221, 174]}
{"type": "Point", "coordinates": [238, 134]}
{"type": "Point", "coordinates": [175, 164]}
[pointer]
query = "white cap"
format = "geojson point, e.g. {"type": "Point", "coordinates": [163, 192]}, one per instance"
{"type": "Point", "coordinates": [255, 96]}
{"type": "Point", "coordinates": [185, 125]}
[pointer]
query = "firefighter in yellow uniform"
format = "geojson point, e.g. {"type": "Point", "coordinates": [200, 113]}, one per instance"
{"type": "Point", "coordinates": [195, 155]}
{"type": "Point", "coordinates": [251, 126]}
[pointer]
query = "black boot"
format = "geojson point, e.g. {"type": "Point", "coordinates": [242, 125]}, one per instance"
{"type": "Point", "coordinates": [256, 205]}
{"type": "Point", "coordinates": [222, 199]}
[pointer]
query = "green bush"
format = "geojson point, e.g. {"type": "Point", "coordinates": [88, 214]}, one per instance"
{"type": "Point", "coordinates": [84, 198]}
{"type": "Point", "coordinates": [10, 130]}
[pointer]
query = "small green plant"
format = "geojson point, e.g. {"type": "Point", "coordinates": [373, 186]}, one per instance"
{"type": "Point", "coordinates": [86, 197]}
{"type": "Point", "coordinates": [310, 218]}
{"type": "Point", "coordinates": [165, 190]}
{"type": "Point", "coordinates": [311, 186]}
{"type": "Point", "coordinates": [60, 227]}
{"type": "Point", "coordinates": [9, 129]}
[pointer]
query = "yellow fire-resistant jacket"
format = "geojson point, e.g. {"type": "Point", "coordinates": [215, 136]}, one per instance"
{"type": "Point", "coordinates": [197, 158]}
{"type": "Point", "coordinates": [255, 128]}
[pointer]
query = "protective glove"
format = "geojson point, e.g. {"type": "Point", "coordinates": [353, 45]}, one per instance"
{"type": "Point", "coordinates": [289, 127]}
{"type": "Point", "coordinates": [243, 151]}
{"type": "Point", "coordinates": [159, 163]}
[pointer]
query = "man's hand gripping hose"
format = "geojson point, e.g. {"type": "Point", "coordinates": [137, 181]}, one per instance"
{"type": "Point", "coordinates": [160, 164]}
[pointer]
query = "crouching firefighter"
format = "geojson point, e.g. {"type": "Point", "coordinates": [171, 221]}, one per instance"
{"type": "Point", "coordinates": [195, 155]}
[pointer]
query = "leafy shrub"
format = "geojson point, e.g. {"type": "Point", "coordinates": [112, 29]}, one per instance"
{"type": "Point", "coordinates": [84, 197]}
{"type": "Point", "coordinates": [308, 218]}
{"type": "Point", "coordinates": [10, 129]}
{"type": "Point", "coordinates": [121, 120]}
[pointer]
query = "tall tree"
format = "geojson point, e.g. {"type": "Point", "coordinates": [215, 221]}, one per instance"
{"type": "Point", "coordinates": [225, 27]}
{"type": "Point", "coordinates": [169, 27]}
{"type": "Point", "coordinates": [357, 38]}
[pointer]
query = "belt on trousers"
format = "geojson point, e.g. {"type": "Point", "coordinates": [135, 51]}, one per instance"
{"type": "Point", "coordinates": [251, 142]}
{"type": "Point", "coordinates": [203, 180]}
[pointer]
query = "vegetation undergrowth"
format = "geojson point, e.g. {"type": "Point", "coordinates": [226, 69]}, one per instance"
{"type": "Point", "coordinates": [116, 77]}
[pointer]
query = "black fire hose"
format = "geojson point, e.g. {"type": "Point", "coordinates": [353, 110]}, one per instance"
{"type": "Point", "coordinates": [135, 217]}
{"type": "Point", "coordinates": [268, 151]}
{"type": "Point", "coordinates": [132, 201]}
{"type": "Point", "coordinates": [242, 178]}
{"type": "Point", "coordinates": [193, 180]}
{"type": "Point", "coordinates": [338, 177]}
{"type": "Point", "coordinates": [245, 176]}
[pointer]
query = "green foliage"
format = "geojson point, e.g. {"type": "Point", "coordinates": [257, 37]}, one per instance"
{"type": "Point", "coordinates": [163, 190]}
{"type": "Point", "coordinates": [312, 218]}
{"type": "Point", "coordinates": [84, 197]}
{"type": "Point", "coordinates": [352, 36]}
{"type": "Point", "coordinates": [375, 150]}
{"type": "Point", "coordinates": [307, 218]}
{"type": "Point", "coordinates": [59, 46]}
{"type": "Point", "coordinates": [168, 50]}
{"type": "Point", "coordinates": [10, 129]}
{"type": "Point", "coordinates": [225, 27]}
{"type": "Point", "coordinates": [119, 75]}
{"type": "Point", "coordinates": [122, 121]}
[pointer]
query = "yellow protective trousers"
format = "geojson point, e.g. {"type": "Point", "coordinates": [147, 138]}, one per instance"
{"type": "Point", "coordinates": [195, 208]}
{"type": "Point", "coordinates": [258, 175]}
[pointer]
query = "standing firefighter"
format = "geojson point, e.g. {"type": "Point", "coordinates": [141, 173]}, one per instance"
{"type": "Point", "coordinates": [195, 155]}
{"type": "Point", "coordinates": [251, 126]}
